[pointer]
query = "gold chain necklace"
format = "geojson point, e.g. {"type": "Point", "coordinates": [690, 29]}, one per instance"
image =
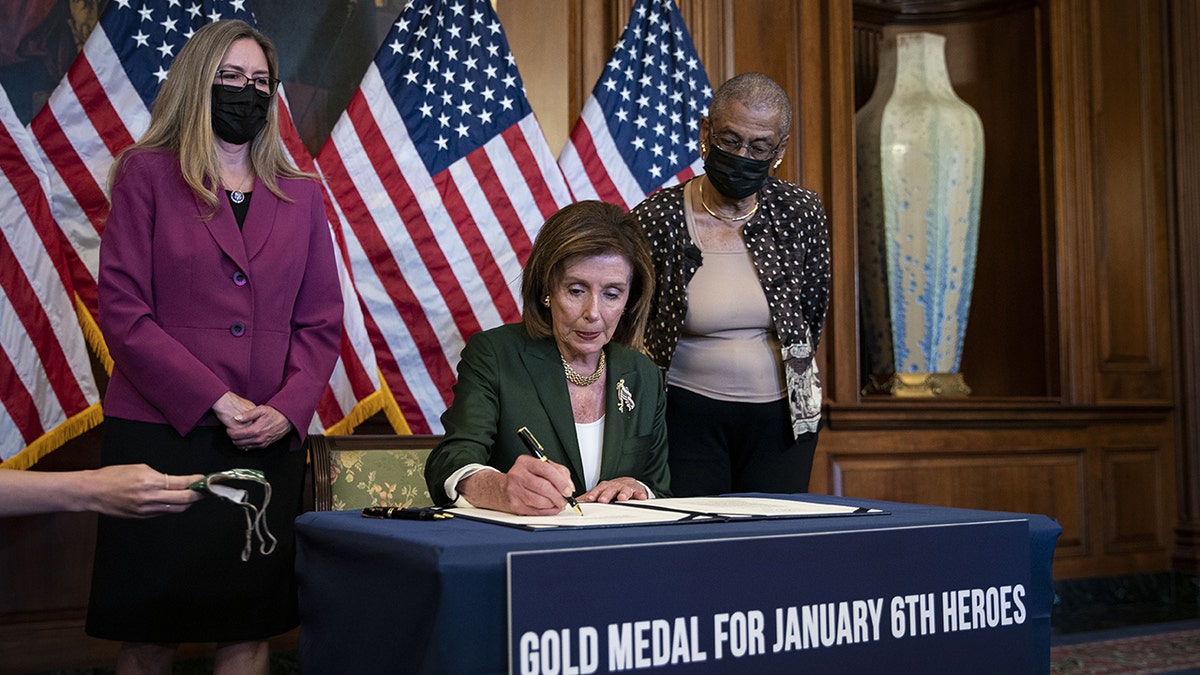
{"type": "Point", "coordinates": [733, 219]}
{"type": "Point", "coordinates": [579, 380]}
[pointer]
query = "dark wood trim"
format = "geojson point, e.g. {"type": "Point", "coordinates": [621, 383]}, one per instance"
{"type": "Point", "coordinates": [900, 12]}
{"type": "Point", "coordinates": [54, 640]}
{"type": "Point", "coordinates": [917, 414]}
{"type": "Point", "coordinates": [1072, 175]}
{"type": "Point", "coordinates": [1184, 50]}
{"type": "Point", "coordinates": [833, 87]}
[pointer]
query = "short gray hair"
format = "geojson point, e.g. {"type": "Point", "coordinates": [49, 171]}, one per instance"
{"type": "Point", "coordinates": [753, 90]}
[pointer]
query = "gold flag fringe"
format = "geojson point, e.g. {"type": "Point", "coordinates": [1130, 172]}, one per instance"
{"type": "Point", "coordinates": [56, 438]}
{"type": "Point", "coordinates": [391, 410]}
{"type": "Point", "coordinates": [359, 414]}
{"type": "Point", "coordinates": [383, 400]}
{"type": "Point", "coordinates": [92, 334]}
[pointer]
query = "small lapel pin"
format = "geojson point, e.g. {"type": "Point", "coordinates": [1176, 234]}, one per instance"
{"type": "Point", "coordinates": [624, 396]}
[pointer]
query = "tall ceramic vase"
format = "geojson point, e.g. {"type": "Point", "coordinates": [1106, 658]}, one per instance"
{"type": "Point", "coordinates": [920, 175]}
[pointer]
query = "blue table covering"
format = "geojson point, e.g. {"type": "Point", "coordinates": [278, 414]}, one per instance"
{"type": "Point", "coordinates": [395, 596]}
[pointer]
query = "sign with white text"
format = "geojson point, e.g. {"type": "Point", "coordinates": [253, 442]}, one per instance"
{"type": "Point", "coordinates": [947, 598]}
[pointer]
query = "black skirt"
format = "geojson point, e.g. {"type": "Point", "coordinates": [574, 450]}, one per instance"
{"type": "Point", "coordinates": [181, 577]}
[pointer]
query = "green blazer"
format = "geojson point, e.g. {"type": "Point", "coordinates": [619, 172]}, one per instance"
{"type": "Point", "coordinates": [507, 380]}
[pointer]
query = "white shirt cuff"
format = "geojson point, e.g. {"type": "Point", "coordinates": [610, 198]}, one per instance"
{"type": "Point", "coordinates": [649, 492]}
{"type": "Point", "coordinates": [451, 484]}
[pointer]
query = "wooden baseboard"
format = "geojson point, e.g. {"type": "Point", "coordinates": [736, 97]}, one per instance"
{"type": "Point", "coordinates": [48, 641]}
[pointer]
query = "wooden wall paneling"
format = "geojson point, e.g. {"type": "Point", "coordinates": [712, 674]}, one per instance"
{"type": "Point", "coordinates": [1047, 482]}
{"type": "Point", "coordinates": [1070, 54]}
{"type": "Point", "coordinates": [1051, 312]}
{"type": "Point", "coordinates": [1137, 513]}
{"type": "Point", "coordinates": [867, 41]}
{"type": "Point", "coordinates": [46, 576]}
{"type": "Point", "coordinates": [46, 560]}
{"type": "Point", "coordinates": [1133, 470]}
{"type": "Point", "coordinates": [1130, 490]}
{"type": "Point", "coordinates": [766, 38]}
{"type": "Point", "coordinates": [993, 65]}
{"type": "Point", "coordinates": [35, 643]}
{"type": "Point", "coordinates": [824, 148]}
{"type": "Point", "coordinates": [1184, 50]}
{"type": "Point", "coordinates": [539, 35]}
{"type": "Point", "coordinates": [821, 74]}
{"type": "Point", "coordinates": [595, 27]}
{"type": "Point", "coordinates": [712, 35]}
{"type": "Point", "coordinates": [1105, 477]}
{"type": "Point", "coordinates": [846, 382]}
{"type": "Point", "coordinates": [1134, 313]}
{"type": "Point", "coordinates": [1028, 472]}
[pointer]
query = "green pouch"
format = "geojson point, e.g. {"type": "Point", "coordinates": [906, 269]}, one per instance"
{"type": "Point", "coordinates": [222, 484]}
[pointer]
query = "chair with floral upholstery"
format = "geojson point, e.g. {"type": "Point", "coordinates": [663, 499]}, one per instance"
{"type": "Point", "coordinates": [353, 472]}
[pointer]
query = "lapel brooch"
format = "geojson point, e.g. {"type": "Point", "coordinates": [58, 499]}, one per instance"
{"type": "Point", "coordinates": [624, 396]}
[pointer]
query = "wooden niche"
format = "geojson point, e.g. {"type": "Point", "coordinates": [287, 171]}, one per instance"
{"type": "Point", "coordinates": [1067, 352]}
{"type": "Point", "coordinates": [994, 63]}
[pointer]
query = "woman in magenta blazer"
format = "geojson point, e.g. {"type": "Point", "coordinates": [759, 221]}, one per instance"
{"type": "Point", "coordinates": [220, 305]}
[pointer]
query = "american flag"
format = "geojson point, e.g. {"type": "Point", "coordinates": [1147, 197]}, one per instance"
{"type": "Point", "coordinates": [101, 107]}
{"type": "Point", "coordinates": [442, 178]}
{"type": "Point", "coordinates": [354, 391]}
{"type": "Point", "coordinates": [639, 129]}
{"type": "Point", "coordinates": [47, 394]}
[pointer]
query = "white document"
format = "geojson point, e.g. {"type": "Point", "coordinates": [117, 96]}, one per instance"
{"type": "Point", "coordinates": [666, 510]}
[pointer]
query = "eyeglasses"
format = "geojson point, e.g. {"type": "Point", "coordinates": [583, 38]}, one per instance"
{"type": "Point", "coordinates": [756, 149]}
{"type": "Point", "coordinates": [264, 86]}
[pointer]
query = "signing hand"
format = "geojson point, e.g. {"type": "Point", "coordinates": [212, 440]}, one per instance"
{"type": "Point", "coordinates": [530, 488]}
{"type": "Point", "coordinates": [620, 489]}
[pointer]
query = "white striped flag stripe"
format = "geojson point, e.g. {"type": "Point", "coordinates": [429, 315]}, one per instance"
{"type": "Point", "coordinates": [639, 128]}
{"type": "Point", "coordinates": [92, 115]}
{"type": "Point", "coordinates": [353, 393]}
{"type": "Point", "coordinates": [442, 178]}
{"type": "Point", "coordinates": [47, 393]}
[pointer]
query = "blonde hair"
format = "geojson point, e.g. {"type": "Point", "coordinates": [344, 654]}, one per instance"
{"type": "Point", "coordinates": [582, 230]}
{"type": "Point", "coordinates": [181, 119]}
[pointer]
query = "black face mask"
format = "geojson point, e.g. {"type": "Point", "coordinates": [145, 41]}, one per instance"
{"type": "Point", "coordinates": [735, 176]}
{"type": "Point", "coordinates": [238, 116]}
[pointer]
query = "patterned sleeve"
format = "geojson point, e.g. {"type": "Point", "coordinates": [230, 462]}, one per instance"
{"type": "Point", "coordinates": [814, 287]}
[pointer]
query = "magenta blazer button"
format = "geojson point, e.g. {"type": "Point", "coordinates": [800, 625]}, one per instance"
{"type": "Point", "coordinates": [239, 278]}
{"type": "Point", "coordinates": [238, 329]}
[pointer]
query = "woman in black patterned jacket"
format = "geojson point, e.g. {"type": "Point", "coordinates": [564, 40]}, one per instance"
{"type": "Point", "coordinates": [742, 262]}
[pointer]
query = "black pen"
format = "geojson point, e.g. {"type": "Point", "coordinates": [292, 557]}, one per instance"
{"type": "Point", "coordinates": [536, 448]}
{"type": "Point", "coordinates": [398, 513]}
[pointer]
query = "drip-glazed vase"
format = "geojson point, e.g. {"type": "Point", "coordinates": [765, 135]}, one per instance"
{"type": "Point", "coordinates": [920, 178]}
